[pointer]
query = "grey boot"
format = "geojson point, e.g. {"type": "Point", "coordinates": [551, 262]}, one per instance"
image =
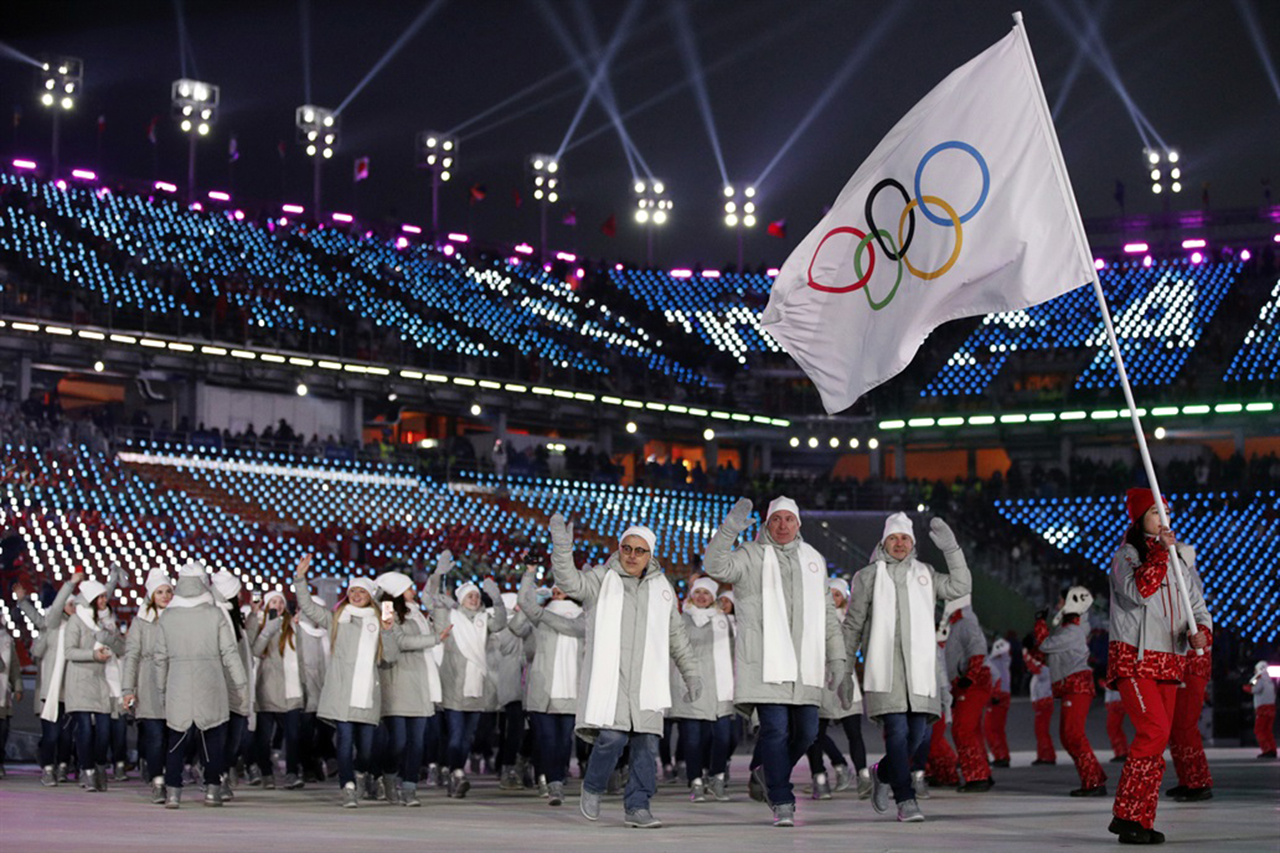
{"type": "Point", "coordinates": [213, 796]}
{"type": "Point", "coordinates": [589, 805]}
{"type": "Point", "coordinates": [879, 791]}
{"type": "Point", "coordinates": [391, 784]}
{"type": "Point", "coordinates": [157, 790]}
{"type": "Point", "coordinates": [716, 787]}
{"type": "Point", "coordinates": [431, 780]}
{"type": "Point", "coordinates": [48, 778]}
{"type": "Point", "coordinates": [255, 776]}
{"type": "Point", "coordinates": [919, 784]}
{"type": "Point", "coordinates": [292, 782]}
{"type": "Point", "coordinates": [843, 780]}
{"type": "Point", "coordinates": [224, 787]}
{"type": "Point", "coordinates": [909, 812]}
{"type": "Point", "coordinates": [821, 787]}
{"type": "Point", "coordinates": [173, 798]}
{"type": "Point", "coordinates": [100, 778]}
{"type": "Point", "coordinates": [864, 783]}
{"type": "Point", "coordinates": [350, 796]}
{"type": "Point", "coordinates": [409, 794]}
{"type": "Point", "coordinates": [543, 789]}
{"type": "Point", "coordinates": [641, 819]}
{"type": "Point", "coordinates": [555, 793]}
{"type": "Point", "coordinates": [697, 791]}
{"type": "Point", "coordinates": [62, 773]}
{"type": "Point", "coordinates": [784, 814]}
{"type": "Point", "coordinates": [118, 773]}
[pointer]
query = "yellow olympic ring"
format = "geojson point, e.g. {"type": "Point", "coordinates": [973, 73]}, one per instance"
{"type": "Point", "coordinates": [955, 220]}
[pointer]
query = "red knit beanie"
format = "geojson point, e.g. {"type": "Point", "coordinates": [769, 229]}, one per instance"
{"type": "Point", "coordinates": [1138, 501]}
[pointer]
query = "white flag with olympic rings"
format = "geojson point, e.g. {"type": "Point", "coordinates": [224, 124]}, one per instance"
{"type": "Point", "coordinates": [963, 209]}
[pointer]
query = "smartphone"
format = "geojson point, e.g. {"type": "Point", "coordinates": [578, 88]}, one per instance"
{"type": "Point", "coordinates": [256, 597]}
{"type": "Point", "coordinates": [388, 610]}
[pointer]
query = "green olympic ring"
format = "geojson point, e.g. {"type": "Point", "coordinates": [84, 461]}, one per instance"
{"type": "Point", "coordinates": [857, 267]}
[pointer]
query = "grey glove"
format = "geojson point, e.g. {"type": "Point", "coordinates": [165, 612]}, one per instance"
{"type": "Point", "coordinates": [444, 563]}
{"type": "Point", "coordinates": [561, 533]}
{"type": "Point", "coordinates": [842, 683]}
{"type": "Point", "coordinates": [942, 536]}
{"type": "Point", "coordinates": [739, 518]}
{"type": "Point", "coordinates": [490, 587]}
{"type": "Point", "coordinates": [693, 689]}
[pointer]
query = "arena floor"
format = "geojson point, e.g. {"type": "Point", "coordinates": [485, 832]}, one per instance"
{"type": "Point", "coordinates": [1027, 810]}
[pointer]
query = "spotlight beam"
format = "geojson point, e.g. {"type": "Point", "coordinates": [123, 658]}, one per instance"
{"type": "Point", "coordinates": [1077, 61]}
{"type": "Point", "coordinates": [698, 79]}
{"type": "Point", "coordinates": [304, 15]}
{"type": "Point", "coordinates": [856, 60]}
{"type": "Point", "coordinates": [186, 55]}
{"type": "Point", "coordinates": [1255, 35]}
{"type": "Point", "coordinates": [14, 53]}
{"type": "Point", "coordinates": [425, 15]}
{"type": "Point", "coordinates": [743, 49]}
{"type": "Point", "coordinates": [608, 100]}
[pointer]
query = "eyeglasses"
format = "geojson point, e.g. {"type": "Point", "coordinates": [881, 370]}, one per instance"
{"type": "Point", "coordinates": [629, 551]}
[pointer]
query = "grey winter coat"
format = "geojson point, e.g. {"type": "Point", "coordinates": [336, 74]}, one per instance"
{"type": "Point", "coordinates": [85, 680]}
{"type": "Point", "coordinates": [335, 699]}
{"type": "Point", "coordinates": [584, 587]}
{"type": "Point", "coordinates": [702, 641]}
{"type": "Point", "coordinates": [744, 569]}
{"type": "Point", "coordinates": [505, 654]}
{"type": "Point", "coordinates": [270, 663]}
{"type": "Point", "coordinates": [197, 662]}
{"type": "Point", "coordinates": [1067, 649]}
{"type": "Point", "coordinates": [548, 628]}
{"type": "Point", "coordinates": [857, 625]}
{"type": "Point", "coordinates": [453, 670]}
{"type": "Point", "coordinates": [1155, 623]}
{"type": "Point", "coordinates": [406, 691]}
{"type": "Point", "coordinates": [313, 666]}
{"type": "Point", "coordinates": [10, 676]}
{"type": "Point", "coordinates": [966, 642]}
{"type": "Point", "coordinates": [139, 677]}
{"type": "Point", "coordinates": [45, 648]}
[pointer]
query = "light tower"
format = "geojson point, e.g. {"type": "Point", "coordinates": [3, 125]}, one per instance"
{"type": "Point", "coordinates": [1165, 171]}
{"type": "Point", "coordinates": [653, 209]}
{"type": "Point", "coordinates": [740, 218]}
{"type": "Point", "coordinates": [318, 135]}
{"type": "Point", "coordinates": [58, 82]}
{"type": "Point", "coordinates": [545, 171]}
{"type": "Point", "coordinates": [195, 106]}
{"type": "Point", "coordinates": [438, 153]}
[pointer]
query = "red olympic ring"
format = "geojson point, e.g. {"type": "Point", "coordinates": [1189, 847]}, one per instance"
{"type": "Point", "coordinates": [847, 288]}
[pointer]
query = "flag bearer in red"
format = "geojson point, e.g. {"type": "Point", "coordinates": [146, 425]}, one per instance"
{"type": "Point", "coordinates": [971, 687]}
{"type": "Point", "coordinates": [1042, 704]}
{"type": "Point", "coordinates": [1146, 658]}
{"type": "Point", "coordinates": [1001, 698]}
{"type": "Point", "coordinates": [1115, 726]}
{"type": "Point", "coordinates": [1066, 650]}
{"type": "Point", "coordinates": [1185, 745]}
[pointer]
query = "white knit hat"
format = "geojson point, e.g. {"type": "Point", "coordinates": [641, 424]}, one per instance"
{"type": "Point", "coordinates": [365, 584]}
{"type": "Point", "coordinates": [956, 604]}
{"type": "Point", "coordinates": [463, 589]}
{"type": "Point", "coordinates": [840, 584]}
{"type": "Point", "coordinates": [1000, 648]}
{"type": "Point", "coordinates": [644, 533]}
{"type": "Point", "coordinates": [89, 591]}
{"type": "Point", "coordinates": [728, 593]}
{"type": "Point", "coordinates": [275, 593]}
{"type": "Point", "coordinates": [156, 578]}
{"type": "Point", "coordinates": [1078, 600]}
{"type": "Point", "coordinates": [394, 584]}
{"type": "Point", "coordinates": [898, 523]}
{"type": "Point", "coordinates": [780, 503]}
{"type": "Point", "coordinates": [1260, 668]}
{"type": "Point", "coordinates": [705, 583]}
{"type": "Point", "coordinates": [227, 584]}
{"type": "Point", "coordinates": [192, 569]}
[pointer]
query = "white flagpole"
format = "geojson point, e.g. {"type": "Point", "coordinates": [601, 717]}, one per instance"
{"type": "Point", "coordinates": [1083, 243]}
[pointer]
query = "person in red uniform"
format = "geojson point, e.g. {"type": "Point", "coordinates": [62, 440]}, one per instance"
{"type": "Point", "coordinates": [1263, 690]}
{"type": "Point", "coordinates": [966, 654]}
{"type": "Point", "coordinates": [1066, 650]}
{"type": "Point", "coordinates": [1185, 745]}
{"type": "Point", "coordinates": [1001, 698]}
{"type": "Point", "coordinates": [942, 765]}
{"type": "Point", "coordinates": [1042, 705]}
{"type": "Point", "coordinates": [1146, 658]}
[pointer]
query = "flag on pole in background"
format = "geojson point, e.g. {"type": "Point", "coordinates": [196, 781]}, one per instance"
{"type": "Point", "coordinates": [777, 228]}
{"type": "Point", "coordinates": [151, 129]}
{"type": "Point", "coordinates": [570, 218]}
{"type": "Point", "coordinates": [233, 149]}
{"type": "Point", "coordinates": [478, 193]}
{"type": "Point", "coordinates": [281, 148]}
{"type": "Point", "coordinates": [609, 227]}
{"type": "Point", "coordinates": [102, 124]}
{"type": "Point", "coordinates": [964, 208]}
{"type": "Point", "coordinates": [361, 169]}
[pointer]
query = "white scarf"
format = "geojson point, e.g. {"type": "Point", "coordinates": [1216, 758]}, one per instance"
{"type": "Point", "coordinates": [564, 666]}
{"type": "Point", "coordinates": [182, 602]}
{"type": "Point", "coordinates": [921, 678]}
{"type": "Point", "coordinates": [720, 653]}
{"type": "Point", "coordinates": [779, 651]}
{"type": "Point", "coordinates": [606, 654]}
{"type": "Point", "coordinates": [366, 652]}
{"type": "Point", "coordinates": [53, 697]}
{"type": "Point", "coordinates": [470, 636]}
{"type": "Point", "coordinates": [435, 691]}
{"type": "Point", "coordinates": [292, 675]}
{"type": "Point", "coordinates": [111, 666]}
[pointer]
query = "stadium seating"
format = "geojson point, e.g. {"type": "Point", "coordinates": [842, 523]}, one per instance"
{"type": "Point", "coordinates": [1234, 535]}
{"type": "Point", "coordinates": [1259, 355]}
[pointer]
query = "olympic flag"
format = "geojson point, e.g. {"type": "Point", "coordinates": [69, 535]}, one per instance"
{"type": "Point", "coordinates": [964, 209]}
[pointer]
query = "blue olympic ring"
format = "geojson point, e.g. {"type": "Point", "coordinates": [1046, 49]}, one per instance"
{"type": "Point", "coordinates": [986, 182]}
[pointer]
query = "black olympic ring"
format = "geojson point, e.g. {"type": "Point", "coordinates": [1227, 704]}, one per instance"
{"type": "Point", "coordinates": [871, 220]}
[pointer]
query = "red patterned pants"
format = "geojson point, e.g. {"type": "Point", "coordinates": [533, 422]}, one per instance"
{"type": "Point", "coordinates": [966, 731]}
{"type": "Point", "coordinates": [1150, 706]}
{"type": "Point", "coordinates": [1044, 719]}
{"type": "Point", "coordinates": [1075, 740]}
{"type": "Point", "coordinates": [1115, 729]}
{"type": "Point", "coordinates": [942, 758]}
{"type": "Point", "coordinates": [1185, 744]}
{"type": "Point", "coordinates": [993, 727]}
{"type": "Point", "coordinates": [1264, 727]}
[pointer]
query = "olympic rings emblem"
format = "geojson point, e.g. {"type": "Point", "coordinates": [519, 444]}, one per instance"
{"type": "Point", "coordinates": [897, 250]}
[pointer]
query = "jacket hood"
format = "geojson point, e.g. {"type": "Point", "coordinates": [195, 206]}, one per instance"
{"type": "Point", "coordinates": [190, 587]}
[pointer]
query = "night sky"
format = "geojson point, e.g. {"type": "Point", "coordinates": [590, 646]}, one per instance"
{"type": "Point", "coordinates": [1191, 68]}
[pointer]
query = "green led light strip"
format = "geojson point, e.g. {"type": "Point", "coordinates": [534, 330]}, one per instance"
{"type": "Point", "coordinates": [1021, 418]}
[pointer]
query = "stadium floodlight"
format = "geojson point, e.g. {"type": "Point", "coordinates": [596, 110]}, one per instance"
{"type": "Point", "coordinates": [58, 81]}
{"type": "Point", "coordinates": [317, 133]}
{"type": "Point", "coordinates": [740, 215]}
{"type": "Point", "coordinates": [438, 153]}
{"type": "Point", "coordinates": [1164, 171]}
{"type": "Point", "coordinates": [544, 173]}
{"type": "Point", "coordinates": [653, 209]}
{"type": "Point", "coordinates": [195, 107]}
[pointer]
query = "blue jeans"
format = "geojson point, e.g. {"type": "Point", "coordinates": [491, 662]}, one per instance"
{"type": "Point", "coordinates": [825, 745]}
{"type": "Point", "coordinates": [406, 746]}
{"type": "Point", "coordinates": [431, 738]}
{"type": "Point", "coordinates": [903, 734]}
{"type": "Point", "coordinates": [234, 737]}
{"type": "Point", "coordinates": [511, 730]}
{"type": "Point", "coordinates": [462, 733]}
{"type": "Point", "coordinates": [355, 750]}
{"type": "Point", "coordinates": [920, 758]}
{"type": "Point", "coordinates": [552, 744]}
{"type": "Point", "coordinates": [151, 743]}
{"type": "Point", "coordinates": [786, 733]}
{"type": "Point", "coordinates": [705, 746]}
{"type": "Point", "coordinates": [643, 780]}
{"type": "Point", "coordinates": [210, 746]}
{"type": "Point", "coordinates": [93, 737]}
{"type": "Point", "coordinates": [291, 724]}
{"type": "Point", "coordinates": [55, 740]}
